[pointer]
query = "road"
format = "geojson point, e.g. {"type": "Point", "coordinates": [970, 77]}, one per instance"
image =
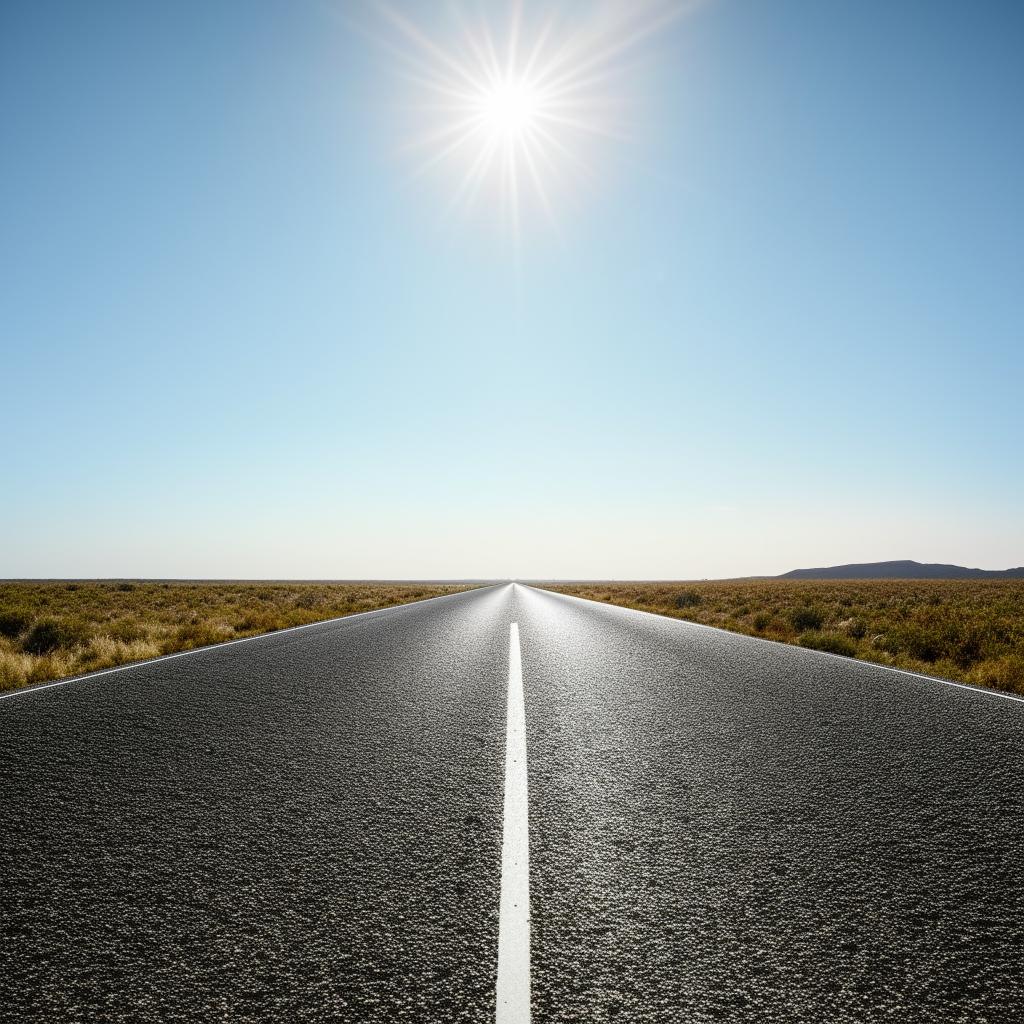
{"type": "Point", "coordinates": [309, 826]}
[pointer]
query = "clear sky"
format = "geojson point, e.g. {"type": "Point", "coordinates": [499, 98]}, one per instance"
{"type": "Point", "coordinates": [778, 321]}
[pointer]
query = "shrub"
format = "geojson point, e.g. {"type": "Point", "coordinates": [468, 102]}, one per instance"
{"type": "Point", "coordinates": [857, 629]}
{"type": "Point", "coordinates": [49, 634]}
{"type": "Point", "coordinates": [761, 620]}
{"type": "Point", "coordinates": [834, 643]}
{"type": "Point", "coordinates": [258, 621]}
{"type": "Point", "coordinates": [1005, 673]}
{"type": "Point", "coordinates": [124, 630]}
{"type": "Point", "coordinates": [688, 599]}
{"type": "Point", "coordinates": [198, 634]}
{"type": "Point", "coordinates": [13, 624]}
{"type": "Point", "coordinates": [920, 643]}
{"type": "Point", "coordinates": [806, 618]}
{"type": "Point", "coordinates": [968, 647]}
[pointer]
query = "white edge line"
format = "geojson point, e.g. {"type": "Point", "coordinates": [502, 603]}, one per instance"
{"type": "Point", "coordinates": [25, 690]}
{"type": "Point", "coordinates": [862, 662]}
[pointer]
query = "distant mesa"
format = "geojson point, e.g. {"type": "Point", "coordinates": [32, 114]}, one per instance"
{"type": "Point", "coordinates": [904, 570]}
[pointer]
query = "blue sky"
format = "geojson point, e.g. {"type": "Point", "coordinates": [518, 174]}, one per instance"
{"type": "Point", "coordinates": [783, 326]}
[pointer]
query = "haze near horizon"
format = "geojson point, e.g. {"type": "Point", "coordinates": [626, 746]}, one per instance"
{"type": "Point", "coordinates": [317, 290]}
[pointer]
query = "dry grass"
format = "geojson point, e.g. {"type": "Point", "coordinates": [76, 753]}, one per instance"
{"type": "Point", "coordinates": [967, 630]}
{"type": "Point", "coordinates": [51, 630]}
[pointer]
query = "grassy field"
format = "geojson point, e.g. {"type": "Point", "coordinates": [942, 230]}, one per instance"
{"type": "Point", "coordinates": [49, 630]}
{"type": "Point", "coordinates": [968, 630]}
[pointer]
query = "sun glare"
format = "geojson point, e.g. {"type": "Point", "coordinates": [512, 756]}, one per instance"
{"type": "Point", "coordinates": [511, 109]}
{"type": "Point", "coordinates": [512, 117]}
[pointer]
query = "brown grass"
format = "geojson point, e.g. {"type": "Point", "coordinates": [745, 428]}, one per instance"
{"type": "Point", "coordinates": [55, 629]}
{"type": "Point", "coordinates": [966, 630]}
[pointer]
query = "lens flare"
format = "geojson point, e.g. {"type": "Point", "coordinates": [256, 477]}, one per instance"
{"type": "Point", "coordinates": [516, 118]}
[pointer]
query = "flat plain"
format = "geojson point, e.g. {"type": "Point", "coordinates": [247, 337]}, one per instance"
{"type": "Point", "coordinates": [971, 631]}
{"type": "Point", "coordinates": [309, 827]}
{"type": "Point", "coordinates": [54, 629]}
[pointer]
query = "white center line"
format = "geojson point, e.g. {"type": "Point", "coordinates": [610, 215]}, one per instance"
{"type": "Point", "coordinates": [513, 989]}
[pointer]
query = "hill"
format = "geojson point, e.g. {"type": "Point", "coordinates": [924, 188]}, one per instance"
{"type": "Point", "coordinates": [902, 570]}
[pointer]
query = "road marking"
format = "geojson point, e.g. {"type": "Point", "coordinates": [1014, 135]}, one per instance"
{"type": "Point", "coordinates": [513, 989]}
{"type": "Point", "coordinates": [24, 691]}
{"type": "Point", "coordinates": [862, 663]}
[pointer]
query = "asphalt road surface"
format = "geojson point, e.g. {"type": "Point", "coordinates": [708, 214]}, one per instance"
{"type": "Point", "coordinates": [309, 827]}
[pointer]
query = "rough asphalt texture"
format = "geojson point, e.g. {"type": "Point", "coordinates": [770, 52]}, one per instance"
{"type": "Point", "coordinates": [307, 827]}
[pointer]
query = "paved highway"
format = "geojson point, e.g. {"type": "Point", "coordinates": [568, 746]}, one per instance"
{"type": "Point", "coordinates": [326, 824]}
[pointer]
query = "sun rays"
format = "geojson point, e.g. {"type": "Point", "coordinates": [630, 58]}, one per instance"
{"type": "Point", "coordinates": [515, 118]}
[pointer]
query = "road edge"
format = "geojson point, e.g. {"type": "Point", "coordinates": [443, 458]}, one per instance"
{"type": "Point", "coordinates": [1015, 698]}
{"type": "Point", "coordinates": [83, 676]}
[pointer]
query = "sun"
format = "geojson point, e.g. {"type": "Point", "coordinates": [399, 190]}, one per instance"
{"type": "Point", "coordinates": [511, 110]}
{"type": "Point", "coordinates": [515, 118]}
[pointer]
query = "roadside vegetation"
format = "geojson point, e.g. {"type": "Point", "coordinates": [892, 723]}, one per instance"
{"type": "Point", "coordinates": [966, 630]}
{"type": "Point", "coordinates": [49, 630]}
